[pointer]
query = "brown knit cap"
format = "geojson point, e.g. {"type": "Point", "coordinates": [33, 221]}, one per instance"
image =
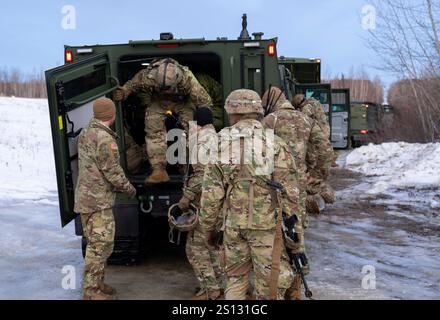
{"type": "Point", "coordinates": [104, 109]}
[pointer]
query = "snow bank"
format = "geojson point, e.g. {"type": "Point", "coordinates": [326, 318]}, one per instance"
{"type": "Point", "coordinates": [398, 165]}
{"type": "Point", "coordinates": [27, 169]}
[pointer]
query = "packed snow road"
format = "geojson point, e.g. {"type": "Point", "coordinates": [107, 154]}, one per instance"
{"type": "Point", "coordinates": [380, 240]}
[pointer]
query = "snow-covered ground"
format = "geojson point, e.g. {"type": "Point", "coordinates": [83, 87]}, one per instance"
{"type": "Point", "coordinates": [408, 173]}
{"type": "Point", "coordinates": [33, 247]}
{"type": "Point", "coordinates": [26, 163]}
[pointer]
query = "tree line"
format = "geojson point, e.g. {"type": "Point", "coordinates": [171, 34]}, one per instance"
{"type": "Point", "coordinates": [13, 82]}
{"type": "Point", "coordinates": [362, 86]}
{"type": "Point", "coordinates": [406, 39]}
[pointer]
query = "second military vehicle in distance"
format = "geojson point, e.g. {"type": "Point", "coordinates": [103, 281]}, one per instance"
{"type": "Point", "coordinates": [303, 75]}
{"type": "Point", "coordinates": [364, 117]}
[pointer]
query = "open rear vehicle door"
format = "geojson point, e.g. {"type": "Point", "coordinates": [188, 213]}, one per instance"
{"type": "Point", "coordinates": [71, 91]}
{"type": "Point", "coordinates": [321, 92]}
{"type": "Point", "coordinates": [340, 117]}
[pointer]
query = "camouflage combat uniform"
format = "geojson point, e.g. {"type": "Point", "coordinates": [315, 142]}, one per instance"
{"type": "Point", "coordinates": [306, 140]}
{"type": "Point", "coordinates": [214, 90]}
{"type": "Point", "coordinates": [309, 146]}
{"type": "Point", "coordinates": [313, 109]}
{"type": "Point", "coordinates": [318, 175]}
{"type": "Point", "coordinates": [190, 95]}
{"type": "Point", "coordinates": [99, 175]}
{"type": "Point", "coordinates": [237, 188]}
{"type": "Point", "coordinates": [204, 260]}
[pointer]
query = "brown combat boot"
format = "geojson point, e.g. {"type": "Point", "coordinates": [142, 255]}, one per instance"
{"type": "Point", "coordinates": [158, 175]}
{"type": "Point", "coordinates": [294, 292]}
{"type": "Point", "coordinates": [204, 295]}
{"type": "Point", "coordinates": [327, 193]}
{"type": "Point", "coordinates": [107, 289]}
{"type": "Point", "coordinates": [200, 295]}
{"type": "Point", "coordinates": [251, 296]}
{"type": "Point", "coordinates": [315, 204]}
{"type": "Point", "coordinates": [98, 296]}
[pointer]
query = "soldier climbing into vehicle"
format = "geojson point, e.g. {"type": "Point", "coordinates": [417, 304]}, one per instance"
{"type": "Point", "coordinates": [169, 87]}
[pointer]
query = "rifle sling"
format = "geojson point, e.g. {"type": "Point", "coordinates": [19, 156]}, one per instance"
{"type": "Point", "coordinates": [276, 252]}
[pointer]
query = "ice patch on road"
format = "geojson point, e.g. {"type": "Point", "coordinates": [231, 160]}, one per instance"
{"type": "Point", "coordinates": [27, 169]}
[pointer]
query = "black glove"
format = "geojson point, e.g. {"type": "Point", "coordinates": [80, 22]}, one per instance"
{"type": "Point", "coordinates": [289, 224]}
{"type": "Point", "coordinates": [218, 239]}
{"type": "Point", "coordinates": [176, 212]}
{"type": "Point", "coordinates": [211, 238]}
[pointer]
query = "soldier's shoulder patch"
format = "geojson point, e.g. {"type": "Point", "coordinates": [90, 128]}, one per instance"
{"type": "Point", "coordinates": [113, 146]}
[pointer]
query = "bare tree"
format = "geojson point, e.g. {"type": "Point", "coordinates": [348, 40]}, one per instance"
{"type": "Point", "coordinates": [362, 86]}
{"type": "Point", "coordinates": [406, 39]}
{"type": "Point", "coordinates": [15, 83]}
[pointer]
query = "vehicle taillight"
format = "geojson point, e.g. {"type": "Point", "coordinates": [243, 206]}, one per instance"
{"type": "Point", "coordinates": [271, 50]}
{"type": "Point", "coordinates": [69, 56]}
{"type": "Point", "coordinates": [364, 131]}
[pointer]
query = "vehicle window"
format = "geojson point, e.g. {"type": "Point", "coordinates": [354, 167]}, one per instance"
{"type": "Point", "coordinates": [85, 83]}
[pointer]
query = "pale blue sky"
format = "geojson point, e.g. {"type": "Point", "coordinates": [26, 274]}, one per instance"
{"type": "Point", "coordinates": [32, 36]}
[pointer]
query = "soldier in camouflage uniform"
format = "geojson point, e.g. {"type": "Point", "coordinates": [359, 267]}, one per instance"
{"type": "Point", "coordinates": [167, 86]}
{"type": "Point", "coordinates": [215, 91]}
{"type": "Point", "coordinates": [99, 176]}
{"type": "Point", "coordinates": [204, 260]}
{"type": "Point", "coordinates": [307, 143]}
{"type": "Point", "coordinates": [318, 187]}
{"type": "Point", "coordinates": [235, 188]}
{"type": "Point", "coordinates": [313, 109]}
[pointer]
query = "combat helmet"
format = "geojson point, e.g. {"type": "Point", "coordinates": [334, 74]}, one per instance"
{"type": "Point", "coordinates": [243, 101]}
{"type": "Point", "coordinates": [167, 75]}
{"type": "Point", "coordinates": [272, 98]}
{"type": "Point", "coordinates": [298, 101]}
{"type": "Point", "coordinates": [182, 221]}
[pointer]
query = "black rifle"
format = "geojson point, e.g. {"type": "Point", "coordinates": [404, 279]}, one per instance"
{"type": "Point", "coordinates": [298, 260]}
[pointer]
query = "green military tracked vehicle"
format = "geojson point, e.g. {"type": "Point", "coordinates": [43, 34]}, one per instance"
{"type": "Point", "coordinates": [94, 71]}
{"type": "Point", "coordinates": [364, 119]}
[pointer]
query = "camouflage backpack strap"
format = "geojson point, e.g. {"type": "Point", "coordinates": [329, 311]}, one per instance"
{"type": "Point", "coordinates": [241, 175]}
{"type": "Point", "coordinates": [244, 175]}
